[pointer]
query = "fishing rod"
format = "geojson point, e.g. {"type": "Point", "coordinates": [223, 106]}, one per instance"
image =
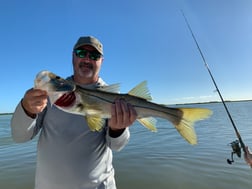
{"type": "Point", "coordinates": [235, 144]}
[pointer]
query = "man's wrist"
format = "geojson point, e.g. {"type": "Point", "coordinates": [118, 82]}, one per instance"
{"type": "Point", "coordinates": [114, 133]}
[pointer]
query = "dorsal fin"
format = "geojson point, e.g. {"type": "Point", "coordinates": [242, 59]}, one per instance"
{"type": "Point", "coordinates": [114, 88]}
{"type": "Point", "coordinates": [141, 91]}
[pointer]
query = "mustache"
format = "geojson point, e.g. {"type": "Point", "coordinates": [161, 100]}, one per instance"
{"type": "Point", "coordinates": [86, 64]}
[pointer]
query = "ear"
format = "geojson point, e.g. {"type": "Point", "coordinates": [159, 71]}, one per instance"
{"type": "Point", "coordinates": [73, 55]}
{"type": "Point", "coordinates": [102, 58]}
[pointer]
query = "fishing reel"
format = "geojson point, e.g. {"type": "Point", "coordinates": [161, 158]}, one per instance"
{"type": "Point", "coordinates": [235, 145]}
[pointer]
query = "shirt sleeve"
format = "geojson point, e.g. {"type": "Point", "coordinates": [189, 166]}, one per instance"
{"type": "Point", "coordinates": [22, 126]}
{"type": "Point", "coordinates": [120, 142]}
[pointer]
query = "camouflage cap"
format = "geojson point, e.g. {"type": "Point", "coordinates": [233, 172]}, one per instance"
{"type": "Point", "coordinates": [89, 40]}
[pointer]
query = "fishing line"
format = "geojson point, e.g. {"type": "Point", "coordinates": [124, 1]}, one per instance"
{"type": "Point", "coordinates": [235, 144]}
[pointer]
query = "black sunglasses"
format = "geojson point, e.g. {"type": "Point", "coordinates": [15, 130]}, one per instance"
{"type": "Point", "coordinates": [82, 53]}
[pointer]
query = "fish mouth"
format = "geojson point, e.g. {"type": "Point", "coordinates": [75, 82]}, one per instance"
{"type": "Point", "coordinates": [61, 85]}
{"type": "Point", "coordinates": [46, 80]}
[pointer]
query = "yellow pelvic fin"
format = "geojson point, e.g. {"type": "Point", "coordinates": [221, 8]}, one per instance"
{"type": "Point", "coordinates": [141, 91]}
{"type": "Point", "coordinates": [149, 123]}
{"type": "Point", "coordinates": [189, 117]}
{"type": "Point", "coordinates": [95, 123]}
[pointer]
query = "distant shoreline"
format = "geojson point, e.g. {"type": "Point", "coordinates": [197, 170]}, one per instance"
{"type": "Point", "coordinates": [6, 113]}
{"type": "Point", "coordinates": [210, 102]}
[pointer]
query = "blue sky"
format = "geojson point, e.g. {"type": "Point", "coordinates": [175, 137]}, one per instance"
{"type": "Point", "coordinates": [143, 40]}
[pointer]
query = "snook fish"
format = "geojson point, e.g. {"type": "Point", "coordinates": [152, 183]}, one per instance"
{"type": "Point", "coordinates": [95, 104]}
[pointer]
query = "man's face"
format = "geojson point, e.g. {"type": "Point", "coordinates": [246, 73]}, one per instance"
{"type": "Point", "coordinates": [86, 63]}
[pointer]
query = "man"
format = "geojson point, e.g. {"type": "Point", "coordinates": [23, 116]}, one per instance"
{"type": "Point", "coordinates": [69, 155]}
{"type": "Point", "coordinates": [248, 156]}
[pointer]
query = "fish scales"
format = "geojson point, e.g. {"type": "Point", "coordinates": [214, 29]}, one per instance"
{"type": "Point", "coordinates": [95, 104]}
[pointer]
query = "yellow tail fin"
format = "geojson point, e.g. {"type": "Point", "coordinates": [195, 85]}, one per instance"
{"type": "Point", "coordinates": [189, 117]}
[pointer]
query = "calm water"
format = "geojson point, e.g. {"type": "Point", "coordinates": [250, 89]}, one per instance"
{"type": "Point", "coordinates": [159, 160]}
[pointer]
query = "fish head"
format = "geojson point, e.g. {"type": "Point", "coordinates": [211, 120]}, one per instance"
{"type": "Point", "coordinates": [53, 84]}
{"type": "Point", "coordinates": [50, 82]}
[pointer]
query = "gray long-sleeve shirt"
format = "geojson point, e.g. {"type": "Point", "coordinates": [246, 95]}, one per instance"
{"type": "Point", "coordinates": [69, 155]}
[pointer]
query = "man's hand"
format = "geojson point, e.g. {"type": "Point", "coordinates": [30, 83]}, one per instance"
{"type": "Point", "coordinates": [248, 156]}
{"type": "Point", "coordinates": [123, 115]}
{"type": "Point", "coordinates": [34, 102]}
